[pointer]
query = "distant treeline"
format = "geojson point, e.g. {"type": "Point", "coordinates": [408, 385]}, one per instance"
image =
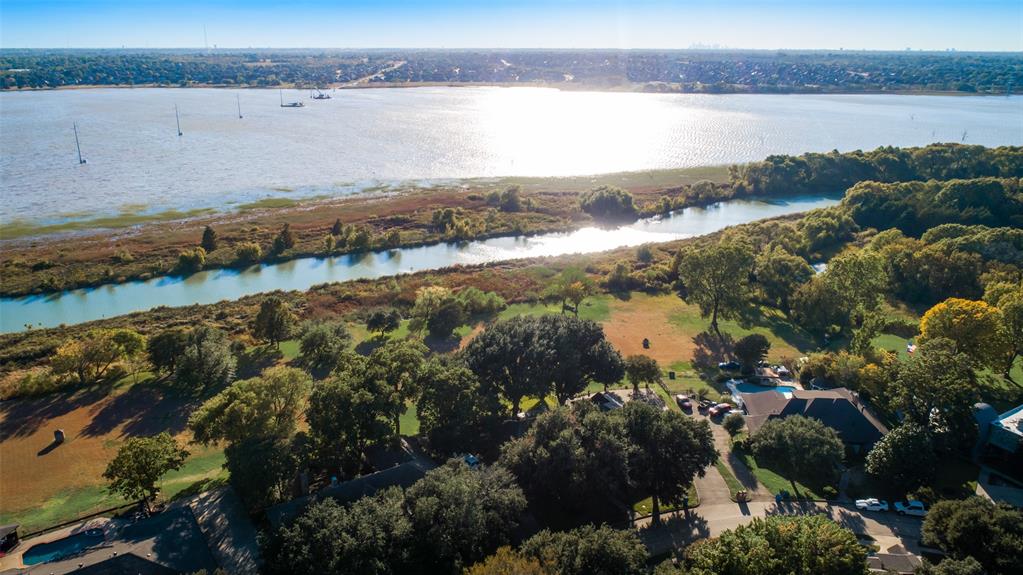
{"type": "Point", "coordinates": [682, 71]}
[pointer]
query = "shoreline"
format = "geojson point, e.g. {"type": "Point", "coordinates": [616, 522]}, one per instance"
{"type": "Point", "coordinates": [637, 88]}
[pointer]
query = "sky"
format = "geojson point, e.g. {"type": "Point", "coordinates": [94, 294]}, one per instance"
{"type": "Point", "coordinates": [982, 25]}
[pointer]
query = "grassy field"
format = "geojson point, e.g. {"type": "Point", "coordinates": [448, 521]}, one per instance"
{"type": "Point", "coordinates": [645, 507]}
{"type": "Point", "coordinates": [774, 482]}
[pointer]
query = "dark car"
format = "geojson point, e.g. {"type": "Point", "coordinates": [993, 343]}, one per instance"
{"type": "Point", "coordinates": [706, 404]}
{"type": "Point", "coordinates": [729, 365]}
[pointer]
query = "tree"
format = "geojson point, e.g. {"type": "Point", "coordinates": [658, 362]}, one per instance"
{"type": "Point", "coordinates": [976, 527]}
{"type": "Point", "coordinates": [505, 561]}
{"type": "Point", "coordinates": [262, 469]}
{"type": "Point", "coordinates": [275, 321]}
{"type": "Point", "coordinates": [262, 407]}
{"type": "Point", "coordinates": [937, 389]}
{"type": "Point", "coordinates": [371, 537]}
{"type": "Point", "coordinates": [165, 347]}
{"type": "Point", "coordinates": [400, 365]}
{"type": "Point", "coordinates": [801, 447]}
{"type": "Point", "coordinates": [669, 450]}
{"type": "Point", "coordinates": [455, 415]}
{"type": "Point", "coordinates": [338, 228]}
{"type": "Point", "coordinates": [820, 308]}
{"type": "Point", "coordinates": [506, 360]}
{"type": "Point", "coordinates": [967, 566]}
{"type": "Point", "coordinates": [641, 369]}
{"type": "Point", "coordinates": [571, 286]}
{"type": "Point", "coordinates": [322, 345]}
{"type": "Point", "coordinates": [437, 310]}
{"type": "Point", "coordinates": [1010, 303]}
{"type": "Point", "coordinates": [210, 241]}
{"type": "Point", "coordinates": [347, 413]}
{"type": "Point", "coordinates": [733, 423]}
{"type": "Point", "coordinates": [975, 327]}
{"type": "Point", "coordinates": [284, 240]}
{"type": "Point", "coordinates": [206, 362]}
{"type": "Point", "coordinates": [140, 463]}
{"type": "Point", "coordinates": [588, 550]}
{"type": "Point", "coordinates": [569, 457]}
{"type": "Point", "coordinates": [905, 458]}
{"type": "Point", "coordinates": [860, 277]}
{"type": "Point", "coordinates": [796, 545]}
{"type": "Point", "coordinates": [750, 350]}
{"type": "Point", "coordinates": [716, 278]}
{"type": "Point", "coordinates": [132, 346]}
{"type": "Point", "coordinates": [89, 359]}
{"type": "Point", "coordinates": [780, 273]}
{"type": "Point", "coordinates": [460, 514]}
{"type": "Point", "coordinates": [383, 321]}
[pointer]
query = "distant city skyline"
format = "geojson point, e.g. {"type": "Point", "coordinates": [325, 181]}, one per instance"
{"type": "Point", "coordinates": [981, 25]}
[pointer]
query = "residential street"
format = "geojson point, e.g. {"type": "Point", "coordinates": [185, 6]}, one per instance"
{"type": "Point", "coordinates": [886, 529]}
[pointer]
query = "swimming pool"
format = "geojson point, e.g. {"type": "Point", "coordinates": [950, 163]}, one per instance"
{"type": "Point", "coordinates": [61, 548]}
{"type": "Point", "coordinates": [744, 387]}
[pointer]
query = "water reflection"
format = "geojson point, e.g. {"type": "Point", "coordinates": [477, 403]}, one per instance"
{"type": "Point", "coordinates": [224, 284]}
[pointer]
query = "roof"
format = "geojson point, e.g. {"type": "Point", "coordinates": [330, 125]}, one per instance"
{"type": "Point", "coordinates": [837, 408]}
{"type": "Point", "coordinates": [403, 476]}
{"type": "Point", "coordinates": [1011, 421]}
{"type": "Point", "coordinates": [6, 530]}
{"type": "Point", "coordinates": [891, 562]}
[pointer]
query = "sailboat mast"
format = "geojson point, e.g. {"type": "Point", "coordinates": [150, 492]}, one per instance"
{"type": "Point", "coordinates": [177, 118]}
{"type": "Point", "coordinates": [78, 145]}
{"type": "Point", "coordinates": [238, 96]}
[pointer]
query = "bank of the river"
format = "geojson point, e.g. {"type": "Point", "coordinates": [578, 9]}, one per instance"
{"type": "Point", "coordinates": [48, 259]}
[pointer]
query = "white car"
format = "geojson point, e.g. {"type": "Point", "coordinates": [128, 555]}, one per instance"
{"type": "Point", "coordinates": [914, 508]}
{"type": "Point", "coordinates": [871, 505]}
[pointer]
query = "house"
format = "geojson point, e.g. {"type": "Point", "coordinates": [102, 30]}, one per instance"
{"type": "Point", "coordinates": [607, 401]}
{"type": "Point", "coordinates": [838, 408]}
{"type": "Point", "coordinates": [8, 537]}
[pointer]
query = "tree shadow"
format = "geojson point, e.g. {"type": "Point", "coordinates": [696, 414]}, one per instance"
{"type": "Point", "coordinates": [143, 410]}
{"type": "Point", "coordinates": [23, 417]}
{"type": "Point", "coordinates": [710, 349]}
{"type": "Point", "coordinates": [852, 521]}
{"type": "Point", "coordinates": [368, 346]}
{"type": "Point", "coordinates": [743, 473]}
{"type": "Point", "coordinates": [254, 360]}
{"type": "Point", "coordinates": [621, 294]}
{"type": "Point", "coordinates": [442, 345]}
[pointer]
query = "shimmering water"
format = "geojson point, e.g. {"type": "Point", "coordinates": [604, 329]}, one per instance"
{"type": "Point", "coordinates": [136, 161]}
{"type": "Point", "coordinates": [216, 285]}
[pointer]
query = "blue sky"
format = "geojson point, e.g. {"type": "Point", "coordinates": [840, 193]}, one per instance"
{"type": "Point", "coordinates": [850, 24]}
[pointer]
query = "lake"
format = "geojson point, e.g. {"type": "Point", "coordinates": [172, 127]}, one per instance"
{"type": "Point", "coordinates": [362, 138]}
{"type": "Point", "coordinates": [211, 286]}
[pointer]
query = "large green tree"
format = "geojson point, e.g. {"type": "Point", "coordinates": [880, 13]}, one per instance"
{"type": "Point", "coordinates": [206, 362]}
{"type": "Point", "coordinates": [990, 533]}
{"type": "Point", "coordinates": [716, 278]}
{"type": "Point", "coordinates": [460, 514]}
{"type": "Point", "coordinates": [780, 545]}
{"type": "Point", "coordinates": [780, 273]}
{"type": "Point", "coordinates": [588, 550]}
{"type": "Point", "coordinates": [400, 365]}
{"type": "Point", "coordinates": [322, 345]}
{"type": "Point", "coordinates": [802, 447]}
{"type": "Point", "coordinates": [905, 458]}
{"type": "Point", "coordinates": [976, 328]}
{"type": "Point", "coordinates": [641, 369]}
{"type": "Point", "coordinates": [262, 407]}
{"type": "Point", "coordinates": [570, 457]}
{"type": "Point", "coordinates": [667, 451]}
{"type": "Point", "coordinates": [750, 350]}
{"type": "Point", "coordinates": [165, 347]}
{"type": "Point", "coordinates": [275, 321]}
{"type": "Point", "coordinates": [140, 463]}
{"type": "Point", "coordinates": [262, 469]}
{"type": "Point", "coordinates": [455, 414]}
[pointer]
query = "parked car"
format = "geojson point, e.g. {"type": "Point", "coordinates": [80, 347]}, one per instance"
{"type": "Point", "coordinates": [706, 404]}
{"type": "Point", "coordinates": [871, 504]}
{"type": "Point", "coordinates": [729, 365]}
{"type": "Point", "coordinates": [719, 409]}
{"type": "Point", "coordinates": [684, 402]}
{"type": "Point", "coordinates": [914, 508]}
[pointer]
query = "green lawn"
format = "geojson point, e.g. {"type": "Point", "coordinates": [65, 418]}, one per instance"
{"type": "Point", "coordinates": [645, 507]}
{"type": "Point", "coordinates": [596, 308]}
{"type": "Point", "coordinates": [726, 473]}
{"type": "Point", "coordinates": [772, 481]}
{"type": "Point", "coordinates": [786, 338]}
{"type": "Point", "coordinates": [409, 421]}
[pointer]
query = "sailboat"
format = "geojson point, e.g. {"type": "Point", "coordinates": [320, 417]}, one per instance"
{"type": "Point", "coordinates": [81, 160]}
{"type": "Point", "coordinates": [177, 118]}
{"type": "Point", "coordinates": [290, 104]}
{"type": "Point", "coordinates": [239, 105]}
{"type": "Point", "coordinates": [320, 95]}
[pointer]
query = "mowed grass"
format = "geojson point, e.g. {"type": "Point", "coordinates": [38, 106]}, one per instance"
{"type": "Point", "coordinates": [774, 482]}
{"type": "Point", "coordinates": [645, 507]}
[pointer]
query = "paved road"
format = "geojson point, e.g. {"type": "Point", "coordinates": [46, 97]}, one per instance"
{"type": "Point", "coordinates": [676, 530]}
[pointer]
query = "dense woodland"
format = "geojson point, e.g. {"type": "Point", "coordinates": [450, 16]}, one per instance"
{"type": "Point", "coordinates": [686, 71]}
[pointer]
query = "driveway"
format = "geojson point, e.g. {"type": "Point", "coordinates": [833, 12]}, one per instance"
{"type": "Point", "coordinates": [712, 488]}
{"type": "Point", "coordinates": [677, 530]}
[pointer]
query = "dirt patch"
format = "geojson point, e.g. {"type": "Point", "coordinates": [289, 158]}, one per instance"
{"type": "Point", "coordinates": [95, 422]}
{"type": "Point", "coordinates": [643, 316]}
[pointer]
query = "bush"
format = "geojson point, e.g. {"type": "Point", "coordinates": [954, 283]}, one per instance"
{"type": "Point", "coordinates": [248, 253]}
{"type": "Point", "coordinates": [191, 261]}
{"type": "Point", "coordinates": [608, 203]}
{"type": "Point", "coordinates": [733, 423]}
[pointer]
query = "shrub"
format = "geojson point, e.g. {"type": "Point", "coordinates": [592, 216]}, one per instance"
{"type": "Point", "coordinates": [248, 253]}
{"type": "Point", "coordinates": [191, 261]}
{"type": "Point", "coordinates": [608, 203]}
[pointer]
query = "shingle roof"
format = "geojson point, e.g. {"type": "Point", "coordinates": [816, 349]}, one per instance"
{"type": "Point", "coordinates": [837, 408]}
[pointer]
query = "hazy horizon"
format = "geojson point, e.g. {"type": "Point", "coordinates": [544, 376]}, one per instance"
{"type": "Point", "coordinates": [872, 25]}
